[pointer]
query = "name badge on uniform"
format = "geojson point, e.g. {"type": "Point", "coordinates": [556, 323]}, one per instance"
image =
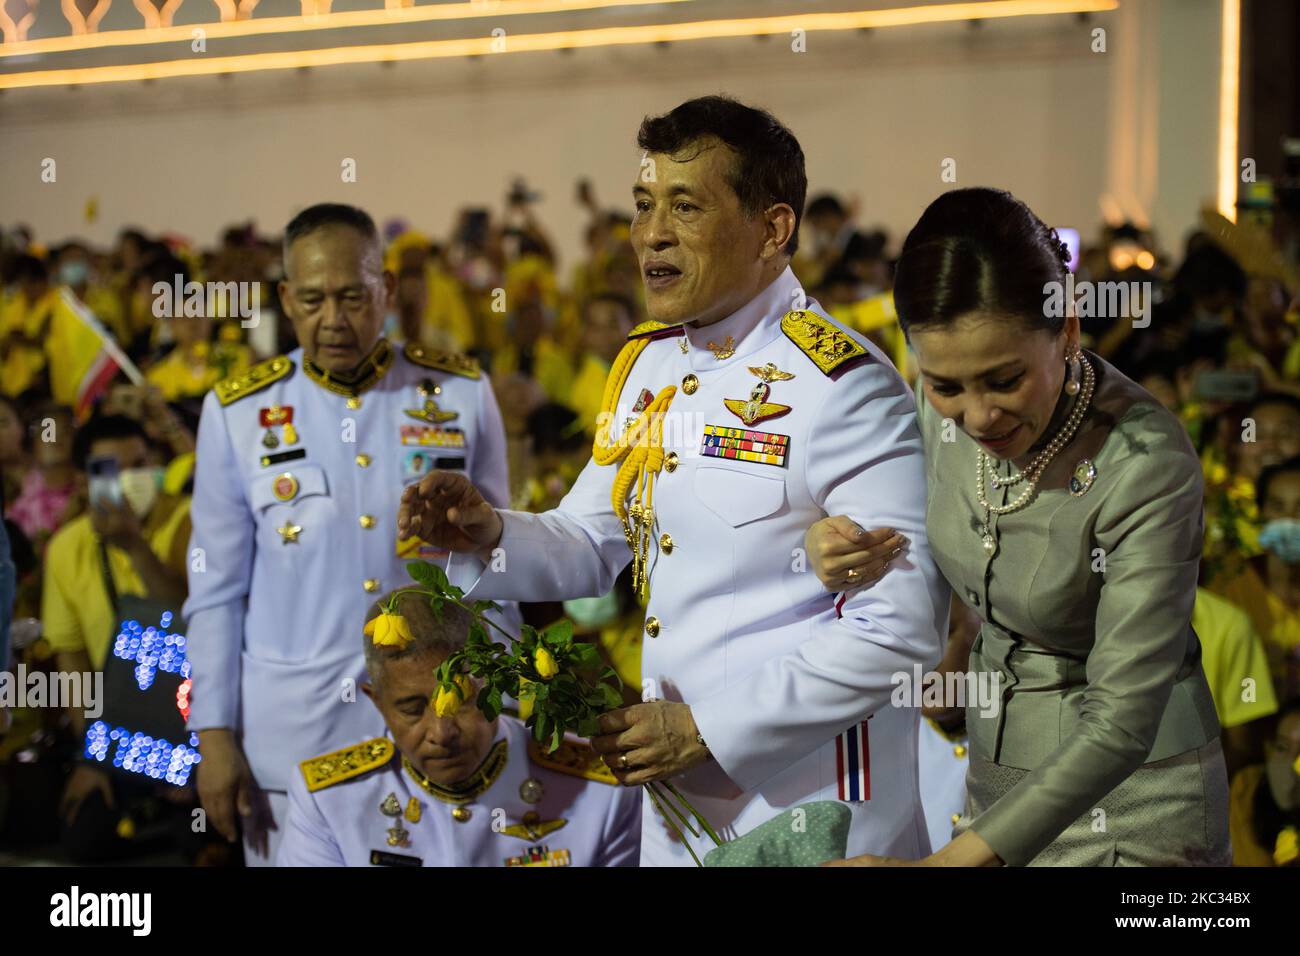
{"type": "Point", "coordinates": [383, 858]}
{"type": "Point", "coordinates": [743, 444]}
{"type": "Point", "coordinates": [432, 436]}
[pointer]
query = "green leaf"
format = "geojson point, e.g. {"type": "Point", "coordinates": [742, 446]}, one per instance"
{"type": "Point", "coordinates": [477, 633]}
{"type": "Point", "coordinates": [559, 634]}
{"type": "Point", "coordinates": [429, 575]}
{"type": "Point", "coordinates": [481, 606]}
{"type": "Point", "coordinates": [555, 741]}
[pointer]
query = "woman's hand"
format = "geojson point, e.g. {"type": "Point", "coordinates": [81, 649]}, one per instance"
{"type": "Point", "coordinates": [844, 556]}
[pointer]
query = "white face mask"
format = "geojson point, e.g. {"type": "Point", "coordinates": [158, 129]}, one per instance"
{"type": "Point", "coordinates": [140, 487]}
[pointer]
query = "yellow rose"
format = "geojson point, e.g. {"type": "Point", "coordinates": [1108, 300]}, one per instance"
{"type": "Point", "coordinates": [389, 630]}
{"type": "Point", "coordinates": [1287, 848]}
{"type": "Point", "coordinates": [545, 663]}
{"type": "Point", "coordinates": [447, 702]}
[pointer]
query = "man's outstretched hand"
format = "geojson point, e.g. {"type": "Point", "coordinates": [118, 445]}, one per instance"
{"type": "Point", "coordinates": [445, 510]}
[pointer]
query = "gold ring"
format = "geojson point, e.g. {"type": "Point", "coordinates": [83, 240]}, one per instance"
{"type": "Point", "coordinates": [853, 575]}
{"type": "Point", "coordinates": [622, 761]}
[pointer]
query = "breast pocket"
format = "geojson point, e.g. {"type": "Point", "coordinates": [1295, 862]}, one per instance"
{"type": "Point", "coordinates": [293, 507]}
{"type": "Point", "coordinates": [739, 497]}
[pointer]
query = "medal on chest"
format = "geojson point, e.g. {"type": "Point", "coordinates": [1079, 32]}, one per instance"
{"type": "Point", "coordinates": [758, 408]}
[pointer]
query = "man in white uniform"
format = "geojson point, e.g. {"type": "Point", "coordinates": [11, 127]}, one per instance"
{"type": "Point", "coordinates": [299, 465]}
{"type": "Point", "coordinates": [737, 416]}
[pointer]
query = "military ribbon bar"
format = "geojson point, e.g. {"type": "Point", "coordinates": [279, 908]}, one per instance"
{"type": "Point", "coordinates": [744, 444]}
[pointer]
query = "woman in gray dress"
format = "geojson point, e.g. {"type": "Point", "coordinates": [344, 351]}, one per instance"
{"type": "Point", "coordinates": [1064, 508]}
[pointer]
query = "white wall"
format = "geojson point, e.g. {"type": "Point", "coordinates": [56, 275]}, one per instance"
{"type": "Point", "coordinates": [1019, 104]}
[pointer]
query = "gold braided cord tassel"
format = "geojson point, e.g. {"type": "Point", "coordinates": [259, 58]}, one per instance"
{"type": "Point", "coordinates": [639, 452]}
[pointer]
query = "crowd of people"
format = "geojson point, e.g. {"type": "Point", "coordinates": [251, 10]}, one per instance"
{"type": "Point", "coordinates": [1212, 330]}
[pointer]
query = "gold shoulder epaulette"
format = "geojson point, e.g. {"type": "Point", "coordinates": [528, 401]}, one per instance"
{"type": "Point", "coordinates": [453, 362]}
{"type": "Point", "coordinates": [826, 344]}
{"type": "Point", "coordinates": [572, 758]}
{"type": "Point", "coordinates": [255, 379]}
{"type": "Point", "coordinates": [650, 326]}
{"type": "Point", "coordinates": [329, 769]}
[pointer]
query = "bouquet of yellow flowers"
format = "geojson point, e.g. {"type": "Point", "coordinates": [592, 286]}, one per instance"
{"type": "Point", "coordinates": [566, 680]}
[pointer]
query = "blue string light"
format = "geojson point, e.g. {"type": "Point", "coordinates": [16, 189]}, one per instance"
{"type": "Point", "coordinates": [139, 753]}
{"type": "Point", "coordinates": [152, 649]}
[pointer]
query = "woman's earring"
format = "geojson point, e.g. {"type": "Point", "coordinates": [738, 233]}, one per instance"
{"type": "Point", "coordinates": [1072, 377]}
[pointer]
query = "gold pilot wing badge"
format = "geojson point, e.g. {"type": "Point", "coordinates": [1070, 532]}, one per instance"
{"type": "Point", "coordinates": [758, 408]}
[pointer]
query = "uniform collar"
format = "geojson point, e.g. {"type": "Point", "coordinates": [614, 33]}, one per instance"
{"type": "Point", "coordinates": [366, 375]}
{"type": "Point", "coordinates": [476, 784]}
{"type": "Point", "coordinates": [750, 328]}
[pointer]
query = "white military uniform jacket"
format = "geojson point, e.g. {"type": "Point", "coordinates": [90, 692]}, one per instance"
{"type": "Point", "coordinates": [298, 537]}
{"type": "Point", "coordinates": [527, 808]}
{"type": "Point", "coordinates": [737, 624]}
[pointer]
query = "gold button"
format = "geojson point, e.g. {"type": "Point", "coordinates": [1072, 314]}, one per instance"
{"type": "Point", "coordinates": [955, 818]}
{"type": "Point", "coordinates": [666, 543]}
{"type": "Point", "coordinates": [364, 460]}
{"type": "Point", "coordinates": [670, 461]}
{"type": "Point", "coordinates": [689, 384]}
{"type": "Point", "coordinates": [371, 585]}
{"type": "Point", "coordinates": [367, 521]}
{"type": "Point", "coordinates": [652, 626]}
{"type": "Point", "coordinates": [959, 751]}
{"type": "Point", "coordinates": [354, 402]}
{"type": "Point", "coordinates": [461, 814]}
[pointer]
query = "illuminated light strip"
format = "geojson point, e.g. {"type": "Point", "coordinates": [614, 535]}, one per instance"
{"type": "Point", "coordinates": [237, 22]}
{"type": "Point", "coordinates": [1229, 79]}
{"type": "Point", "coordinates": [534, 42]}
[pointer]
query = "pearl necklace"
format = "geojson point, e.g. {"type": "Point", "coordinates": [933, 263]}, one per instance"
{"type": "Point", "coordinates": [1030, 475]}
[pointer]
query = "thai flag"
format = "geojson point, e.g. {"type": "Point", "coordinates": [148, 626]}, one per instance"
{"type": "Point", "coordinates": [853, 763]}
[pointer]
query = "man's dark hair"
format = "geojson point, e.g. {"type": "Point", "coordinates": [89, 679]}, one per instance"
{"type": "Point", "coordinates": [28, 268]}
{"type": "Point", "coordinates": [326, 214]}
{"type": "Point", "coordinates": [103, 428]}
{"type": "Point", "coordinates": [769, 165]}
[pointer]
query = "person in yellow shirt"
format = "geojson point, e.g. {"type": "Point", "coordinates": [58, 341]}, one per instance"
{"type": "Point", "coordinates": [26, 317]}
{"type": "Point", "coordinates": [1236, 668]}
{"type": "Point", "coordinates": [532, 353]}
{"type": "Point", "coordinates": [143, 539]}
{"type": "Point", "coordinates": [607, 320]}
{"type": "Point", "coordinates": [74, 269]}
{"type": "Point", "coordinates": [195, 363]}
{"type": "Point", "coordinates": [1264, 803]}
{"type": "Point", "coordinates": [1268, 586]}
{"type": "Point", "coordinates": [444, 316]}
